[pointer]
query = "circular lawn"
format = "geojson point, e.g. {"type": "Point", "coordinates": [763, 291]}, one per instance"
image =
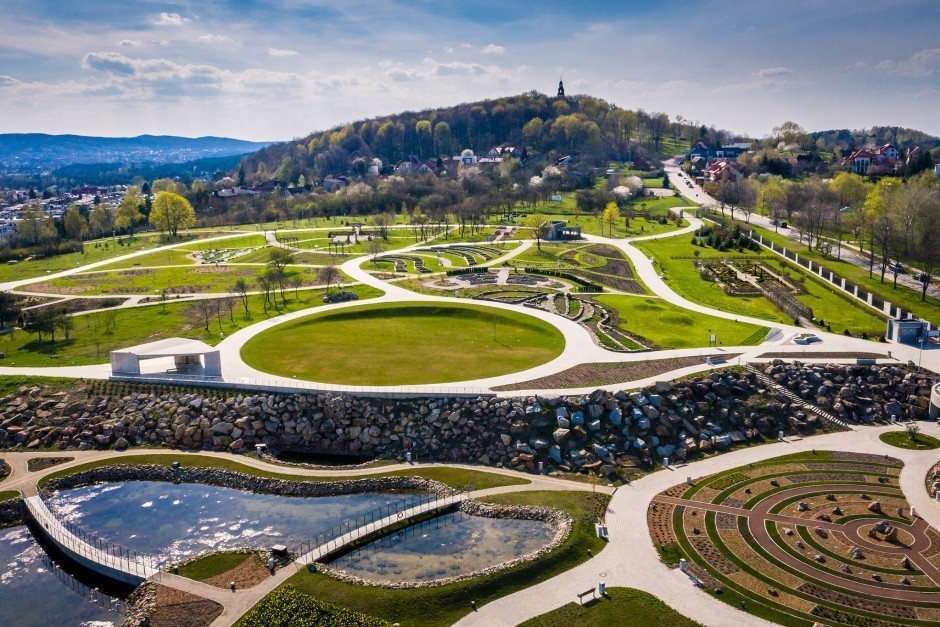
{"type": "Point", "coordinates": [404, 344]}
{"type": "Point", "coordinates": [903, 439]}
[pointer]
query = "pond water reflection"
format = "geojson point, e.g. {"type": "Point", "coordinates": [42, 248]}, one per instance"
{"type": "Point", "coordinates": [173, 522]}
{"type": "Point", "coordinates": [33, 590]}
{"type": "Point", "coordinates": [447, 546]}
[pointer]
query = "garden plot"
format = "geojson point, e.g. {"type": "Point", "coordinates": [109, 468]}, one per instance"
{"type": "Point", "coordinates": [812, 537]}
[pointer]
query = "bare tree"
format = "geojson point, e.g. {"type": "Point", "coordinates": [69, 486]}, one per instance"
{"type": "Point", "coordinates": [205, 308]}
{"type": "Point", "coordinates": [240, 287]}
{"type": "Point", "coordinates": [376, 248]}
{"type": "Point", "coordinates": [328, 275]}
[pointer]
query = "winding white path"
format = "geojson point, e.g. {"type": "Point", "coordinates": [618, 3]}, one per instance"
{"type": "Point", "coordinates": [631, 560]}
{"type": "Point", "coordinates": [579, 345]}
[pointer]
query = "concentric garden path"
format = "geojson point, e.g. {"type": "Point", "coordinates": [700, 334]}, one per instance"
{"type": "Point", "coordinates": [804, 535]}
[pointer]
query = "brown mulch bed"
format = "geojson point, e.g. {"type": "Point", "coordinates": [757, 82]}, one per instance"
{"type": "Point", "coordinates": [822, 355]}
{"type": "Point", "coordinates": [249, 573]}
{"type": "Point", "coordinates": [41, 463]}
{"type": "Point", "coordinates": [609, 373]}
{"type": "Point", "coordinates": [176, 608]}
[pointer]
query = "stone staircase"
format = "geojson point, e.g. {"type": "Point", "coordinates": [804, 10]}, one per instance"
{"type": "Point", "coordinates": [796, 400]}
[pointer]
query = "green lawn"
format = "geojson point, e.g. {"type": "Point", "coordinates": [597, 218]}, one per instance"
{"type": "Point", "coordinates": [901, 296]}
{"type": "Point", "coordinates": [444, 605]}
{"type": "Point", "coordinates": [622, 607]}
{"type": "Point", "coordinates": [674, 327]}
{"type": "Point", "coordinates": [7, 495]}
{"type": "Point", "coordinates": [179, 256]}
{"type": "Point", "coordinates": [397, 344]}
{"type": "Point", "coordinates": [11, 383]}
{"type": "Point", "coordinates": [458, 478]}
{"type": "Point", "coordinates": [901, 439]}
{"type": "Point", "coordinates": [93, 251]}
{"type": "Point", "coordinates": [209, 566]}
{"type": "Point", "coordinates": [184, 279]}
{"type": "Point", "coordinates": [287, 607]}
{"type": "Point", "coordinates": [839, 312]}
{"type": "Point", "coordinates": [684, 279]}
{"type": "Point", "coordinates": [94, 335]}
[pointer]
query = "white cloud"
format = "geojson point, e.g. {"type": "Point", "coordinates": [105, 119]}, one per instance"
{"type": "Point", "coordinates": [493, 49]}
{"type": "Point", "coordinates": [278, 52]}
{"type": "Point", "coordinates": [918, 65]}
{"type": "Point", "coordinates": [8, 81]}
{"type": "Point", "coordinates": [456, 68]}
{"type": "Point", "coordinates": [770, 72]}
{"type": "Point", "coordinates": [211, 39]}
{"type": "Point", "coordinates": [403, 75]}
{"type": "Point", "coordinates": [129, 43]}
{"type": "Point", "coordinates": [170, 19]}
{"type": "Point", "coordinates": [430, 68]}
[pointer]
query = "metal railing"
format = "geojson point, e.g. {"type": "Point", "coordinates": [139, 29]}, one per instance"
{"type": "Point", "coordinates": [287, 385]}
{"type": "Point", "coordinates": [373, 521]}
{"type": "Point", "coordinates": [91, 594]}
{"type": "Point", "coordinates": [82, 542]}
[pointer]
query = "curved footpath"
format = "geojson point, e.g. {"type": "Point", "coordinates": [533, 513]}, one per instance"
{"type": "Point", "coordinates": [631, 559]}
{"type": "Point", "coordinates": [579, 346]}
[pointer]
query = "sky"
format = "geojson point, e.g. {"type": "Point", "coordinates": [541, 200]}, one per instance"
{"type": "Point", "coordinates": [276, 69]}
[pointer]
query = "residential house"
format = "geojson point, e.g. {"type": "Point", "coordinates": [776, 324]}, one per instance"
{"type": "Point", "coordinates": [467, 157]}
{"type": "Point", "coordinates": [882, 160]}
{"type": "Point", "coordinates": [723, 170]}
{"type": "Point", "coordinates": [375, 168]}
{"type": "Point", "coordinates": [710, 153]}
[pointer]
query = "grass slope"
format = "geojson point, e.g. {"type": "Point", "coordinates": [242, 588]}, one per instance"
{"type": "Point", "coordinates": [404, 344]}
{"type": "Point", "coordinates": [622, 607]}
{"type": "Point", "coordinates": [459, 478]}
{"type": "Point", "coordinates": [209, 566]}
{"type": "Point", "coordinates": [684, 279]}
{"type": "Point", "coordinates": [671, 326]}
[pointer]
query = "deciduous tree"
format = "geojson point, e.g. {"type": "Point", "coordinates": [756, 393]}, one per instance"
{"type": "Point", "coordinates": [172, 212]}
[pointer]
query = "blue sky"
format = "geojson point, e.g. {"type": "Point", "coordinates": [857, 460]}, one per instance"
{"type": "Point", "coordinates": [281, 68]}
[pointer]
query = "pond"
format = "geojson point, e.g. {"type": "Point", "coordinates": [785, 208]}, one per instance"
{"type": "Point", "coordinates": [34, 591]}
{"type": "Point", "coordinates": [447, 546]}
{"type": "Point", "coordinates": [173, 522]}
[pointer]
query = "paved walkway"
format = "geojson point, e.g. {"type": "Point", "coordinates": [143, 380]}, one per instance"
{"type": "Point", "coordinates": [579, 346]}
{"type": "Point", "coordinates": [631, 559]}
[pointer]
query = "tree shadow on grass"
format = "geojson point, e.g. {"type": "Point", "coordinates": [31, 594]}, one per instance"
{"type": "Point", "coordinates": [46, 347]}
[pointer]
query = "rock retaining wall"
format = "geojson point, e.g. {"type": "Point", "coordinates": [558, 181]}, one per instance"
{"type": "Point", "coordinates": [610, 433]}
{"type": "Point", "coordinates": [861, 394]}
{"type": "Point", "coordinates": [141, 605]}
{"type": "Point", "coordinates": [12, 512]}
{"type": "Point", "coordinates": [242, 481]}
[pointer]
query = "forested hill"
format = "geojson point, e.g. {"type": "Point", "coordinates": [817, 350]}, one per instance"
{"type": "Point", "coordinates": [587, 128]}
{"type": "Point", "coordinates": [878, 136]}
{"type": "Point", "coordinates": [34, 152]}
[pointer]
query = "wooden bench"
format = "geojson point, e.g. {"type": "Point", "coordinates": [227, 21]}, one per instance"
{"type": "Point", "coordinates": [581, 595]}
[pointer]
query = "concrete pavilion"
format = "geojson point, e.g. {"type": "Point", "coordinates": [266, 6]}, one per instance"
{"type": "Point", "coordinates": [190, 358]}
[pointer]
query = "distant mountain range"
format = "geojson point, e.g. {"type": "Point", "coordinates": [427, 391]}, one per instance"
{"type": "Point", "coordinates": [33, 153]}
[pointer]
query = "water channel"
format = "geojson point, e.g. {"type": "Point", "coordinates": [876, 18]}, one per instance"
{"type": "Point", "coordinates": [174, 522]}
{"type": "Point", "coordinates": [35, 592]}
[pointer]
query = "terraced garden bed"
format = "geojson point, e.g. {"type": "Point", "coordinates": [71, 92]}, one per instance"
{"type": "Point", "coordinates": [807, 537]}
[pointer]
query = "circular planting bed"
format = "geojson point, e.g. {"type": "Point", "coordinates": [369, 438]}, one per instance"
{"type": "Point", "coordinates": [825, 537]}
{"type": "Point", "coordinates": [917, 442]}
{"type": "Point", "coordinates": [404, 344]}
